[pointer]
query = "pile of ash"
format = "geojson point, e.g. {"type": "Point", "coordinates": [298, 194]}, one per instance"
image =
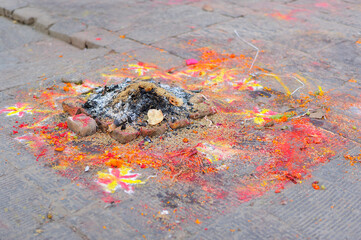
{"type": "Point", "coordinates": [129, 103]}
{"type": "Point", "coordinates": [140, 107]}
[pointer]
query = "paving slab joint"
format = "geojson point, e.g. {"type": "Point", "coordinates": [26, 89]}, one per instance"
{"type": "Point", "coordinates": [77, 231]}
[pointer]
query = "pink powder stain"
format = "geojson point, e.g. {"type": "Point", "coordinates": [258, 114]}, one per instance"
{"type": "Point", "coordinates": [191, 61]}
{"type": "Point", "coordinates": [84, 119]}
{"type": "Point", "coordinates": [177, 2]}
{"type": "Point", "coordinates": [281, 16]}
{"type": "Point", "coordinates": [322, 5]}
{"type": "Point", "coordinates": [290, 16]}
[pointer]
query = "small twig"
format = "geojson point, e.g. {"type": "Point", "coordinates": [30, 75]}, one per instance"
{"type": "Point", "coordinates": [210, 122]}
{"type": "Point", "coordinates": [152, 176]}
{"type": "Point", "coordinates": [204, 97]}
{"type": "Point", "coordinates": [179, 173]}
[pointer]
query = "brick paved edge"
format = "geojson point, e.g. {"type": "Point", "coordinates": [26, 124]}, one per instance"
{"type": "Point", "coordinates": [70, 31]}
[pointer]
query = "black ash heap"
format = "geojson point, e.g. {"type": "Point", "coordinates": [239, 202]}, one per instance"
{"type": "Point", "coordinates": [139, 107]}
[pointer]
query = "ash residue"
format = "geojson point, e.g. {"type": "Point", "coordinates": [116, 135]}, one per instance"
{"type": "Point", "coordinates": [105, 103]}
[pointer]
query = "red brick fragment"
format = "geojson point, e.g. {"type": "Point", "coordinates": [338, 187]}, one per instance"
{"type": "Point", "coordinates": [126, 135]}
{"type": "Point", "coordinates": [103, 124]}
{"type": "Point", "coordinates": [203, 113]}
{"type": "Point", "coordinates": [82, 125]}
{"type": "Point", "coordinates": [197, 98]}
{"type": "Point", "coordinates": [153, 131]}
{"type": "Point", "coordinates": [181, 123]}
{"type": "Point", "coordinates": [73, 106]}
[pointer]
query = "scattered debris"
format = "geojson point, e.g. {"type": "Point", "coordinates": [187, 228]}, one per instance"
{"type": "Point", "coordinates": [207, 8]}
{"type": "Point", "coordinates": [315, 185]}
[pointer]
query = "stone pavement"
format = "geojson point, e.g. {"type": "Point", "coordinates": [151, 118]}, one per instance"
{"type": "Point", "coordinates": [319, 40]}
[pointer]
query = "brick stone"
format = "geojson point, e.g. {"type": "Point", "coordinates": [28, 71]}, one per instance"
{"type": "Point", "coordinates": [153, 131]}
{"type": "Point", "coordinates": [181, 123]}
{"type": "Point", "coordinates": [82, 125]}
{"type": "Point", "coordinates": [202, 113]}
{"type": "Point", "coordinates": [197, 98]}
{"type": "Point", "coordinates": [104, 124]}
{"type": "Point", "coordinates": [27, 15]}
{"type": "Point", "coordinates": [72, 78]}
{"type": "Point", "coordinates": [64, 29]}
{"type": "Point", "coordinates": [126, 135]}
{"type": "Point", "coordinates": [73, 106]}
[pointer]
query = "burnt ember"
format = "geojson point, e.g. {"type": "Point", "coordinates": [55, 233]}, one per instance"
{"type": "Point", "coordinates": [137, 107]}
{"type": "Point", "coordinates": [132, 108]}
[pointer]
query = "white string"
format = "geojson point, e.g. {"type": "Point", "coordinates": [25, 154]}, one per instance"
{"type": "Point", "coordinates": [303, 85]}
{"type": "Point", "coordinates": [250, 44]}
{"type": "Point", "coordinates": [255, 58]}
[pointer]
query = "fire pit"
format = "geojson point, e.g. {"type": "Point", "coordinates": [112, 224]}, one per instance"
{"type": "Point", "coordinates": [136, 108]}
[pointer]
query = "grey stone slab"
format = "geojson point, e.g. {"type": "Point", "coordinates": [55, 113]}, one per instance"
{"type": "Point", "coordinates": [44, 22]}
{"type": "Point", "coordinates": [151, 34]}
{"type": "Point", "coordinates": [15, 35]}
{"type": "Point", "coordinates": [158, 57]}
{"type": "Point", "coordinates": [93, 38]}
{"type": "Point", "coordinates": [65, 28]}
{"type": "Point", "coordinates": [344, 53]}
{"type": "Point", "coordinates": [247, 223]}
{"type": "Point", "coordinates": [125, 17]}
{"type": "Point", "coordinates": [73, 198]}
{"type": "Point", "coordinates": [15, 153]}
{"type": "Point", "coordinates": [33, 61]}
{"type": "Point", "coordinates": [180, 46]}
{"type": "Point", "coordinates": [46, 179]}
{"type": "Point", "coordinates": [225, 8]}
{"type": "Point", "coordinates": [6, 167]}
{"type": "Point", "coordinates": [322, 214]}
{"type": "Point", "coordinates": [110, 226]}
{"type": "Point", "coordinates": [341, 173]}
{"type": "Point", "coordinates": [124, 45]}
{"type": "Point", "coordinates": [23, 207]}
{"type": "Point", "coordinates": [100, 38]}
{"type": "Point", "coordinates": [54, 230]}
{"type": "Point", "coordinates": [160, 14]}
{"type": "Point", "coordinates": [348, 16]}
{"type": "Point", "coordinates": [205, 19]}
{"type": "Point", "coordinates": [257, 27]}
